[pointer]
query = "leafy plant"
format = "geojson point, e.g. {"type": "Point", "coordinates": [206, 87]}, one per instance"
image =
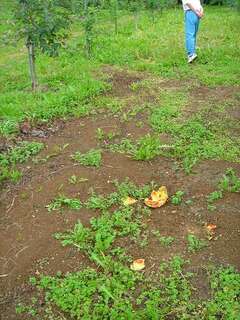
{"type": "Point", "coordinates": [91, 158]}
{"type": "Point", "coordinates": [19, 154]}
{"type": "Point", "coordinates": [225, 289]}
{"type": "Point", "coordinates": [230, 182]}
{"type": "Point", "coordinates": [165, 241]}
{"type": "Point", "coordinates": [177, 197]}
{"type": "Point", "coordinates": [215, 195]}
{"type": "Point", "coordinates": [195, 244]}
{"type": "Point", "coordinates": [147, 148]}
{"type": "Point", "coordinates": [63, 201]}
{"type": "Point", "coordinates": [100, 202]}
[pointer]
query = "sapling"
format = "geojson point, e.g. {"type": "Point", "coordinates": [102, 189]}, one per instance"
{"type": "Point", "coordinates": [42, 24]}
{"type": "Point", "coordinates": [135, 7]}
{"type": "Point", "coordinates": [114, 13]}
{"type": "Point", "coordinates": [88, 24]}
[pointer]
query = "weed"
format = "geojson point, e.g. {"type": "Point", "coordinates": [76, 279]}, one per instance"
{"type": "Point", "coordinates": [112, 291]}
{"type": "Point", "coordinates": [147, 148]}
{"type": "Point", "coordinates": [165, 241]}
{"type": "Point", "coordinates": [104, 230]}
{"type": "Point", "coordinates": [74, 179]}
{"type": "Point", "coordinates": [63, 201]}
{"type": "Point", "coordinates": [195, 244]}
{"type": "Point", "coordinates": [100, 134]}
{"type": "Point", "coordinates": [99, 202]}
{"type": "Point", "coordinates": [99, 295]}
{"type": "Point", "coordinates": [91, 158]}
{"type": "Point", "coordinates": [170, 295]}
{"type": "Point", "coordinates": [128, 188]}
{"type": "Point", "coordinates": [125, 146]}
{"type": "Point", "coordinates": [19, 154]}
{"type": "Point", "coordinates": [225, 289]}
{"type": "Point", "coordinates": [8, 127]}
{"type": "Point", "coordinates": [230, 182]}
{"type": "Point", "coordinates": [177, 197]}
{"type": "Point", "coordinates": [80, 236]}
{"type": "Point", "coordinates": [215, 195]}
{"type": "Point", "coordinates": [30, 310]}
{"type": "Point", "coordinates": [128, 115]}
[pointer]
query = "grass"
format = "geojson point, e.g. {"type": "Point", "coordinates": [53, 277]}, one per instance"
{"type": "Point", "coordinates": [68, 78]}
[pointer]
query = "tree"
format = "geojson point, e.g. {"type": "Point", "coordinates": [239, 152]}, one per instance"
{"type": "Point", "coordinates": [42, 24]}
{"type": "Point", "coordinates": [114, 13]}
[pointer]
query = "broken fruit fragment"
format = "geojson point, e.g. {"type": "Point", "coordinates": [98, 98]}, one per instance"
{"type": "Point", "coordinates": [211, 227]}
{"type": "Point", "coordinates": [128, 201]}
{"type": "Point", "coordinates": [138, 265]}
{"type": "Point", "coordinates": [157, 198]}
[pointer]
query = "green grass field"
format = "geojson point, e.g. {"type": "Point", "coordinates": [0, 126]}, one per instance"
{"type": "Point", "coordinates": [156, 47]}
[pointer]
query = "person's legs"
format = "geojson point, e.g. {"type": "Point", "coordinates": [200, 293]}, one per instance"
{"type": "Point", "coordinates": [196, 31]}
{"type": "Point", "coordinates": [191, 28]}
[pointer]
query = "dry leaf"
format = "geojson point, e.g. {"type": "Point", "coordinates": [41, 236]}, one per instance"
{"type": "Point", "coordinates": [128, 201]}
{"type": "Point", "coordinates": [138, 265]}
{"type": "Point", "coordinates": [211, 231]}
{"type": "Point", "coordinates": [157, 198]}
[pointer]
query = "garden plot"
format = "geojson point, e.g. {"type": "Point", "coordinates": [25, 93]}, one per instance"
{"type": "Point", "coordinates": [71, 226]}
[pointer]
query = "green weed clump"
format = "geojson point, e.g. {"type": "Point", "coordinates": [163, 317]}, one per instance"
{"type": "Point", "coordinates": [101, 202]}
{"type": "Point", "coordinates": [164, 240]}
{"type": "Point", "coordinates": [104, 230]}
{"type": "Point", "coordinates": [91, 158]}
{"type": "Point", "coordinates": [228, 183]}
{"type": "Point", "coordinates": [111, 290]}
{"type": "Point", "coordinates": [19, 154]}
{"type": "Point", "coordinates": [145, 149]}
{"type": "Point", "coordinates": [63, 201]}
{"type": "Point", "coordinates": [177, 197]}
{"type": "Point", "coordinates": [115, 292]}
{"type": "Point", "coordinates": [194, 243]}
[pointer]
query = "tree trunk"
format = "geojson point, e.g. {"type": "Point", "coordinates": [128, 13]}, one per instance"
{"type": "Point", "coordinates": [32, 69]}
{"type": "Point", "coordinates": [85, 6]}
{"type": "Point", "coordinates": [116, 16]}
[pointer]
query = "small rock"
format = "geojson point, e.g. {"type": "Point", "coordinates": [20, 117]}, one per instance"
{"type": "Point", "coordinates": [39, 133]}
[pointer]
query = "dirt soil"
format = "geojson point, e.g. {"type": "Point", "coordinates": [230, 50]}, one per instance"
{"type": "Point", "coordinates": [27, 244]}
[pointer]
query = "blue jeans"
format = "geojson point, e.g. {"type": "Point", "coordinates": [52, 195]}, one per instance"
{"type": "Point", "coordinates": [191, 29]}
